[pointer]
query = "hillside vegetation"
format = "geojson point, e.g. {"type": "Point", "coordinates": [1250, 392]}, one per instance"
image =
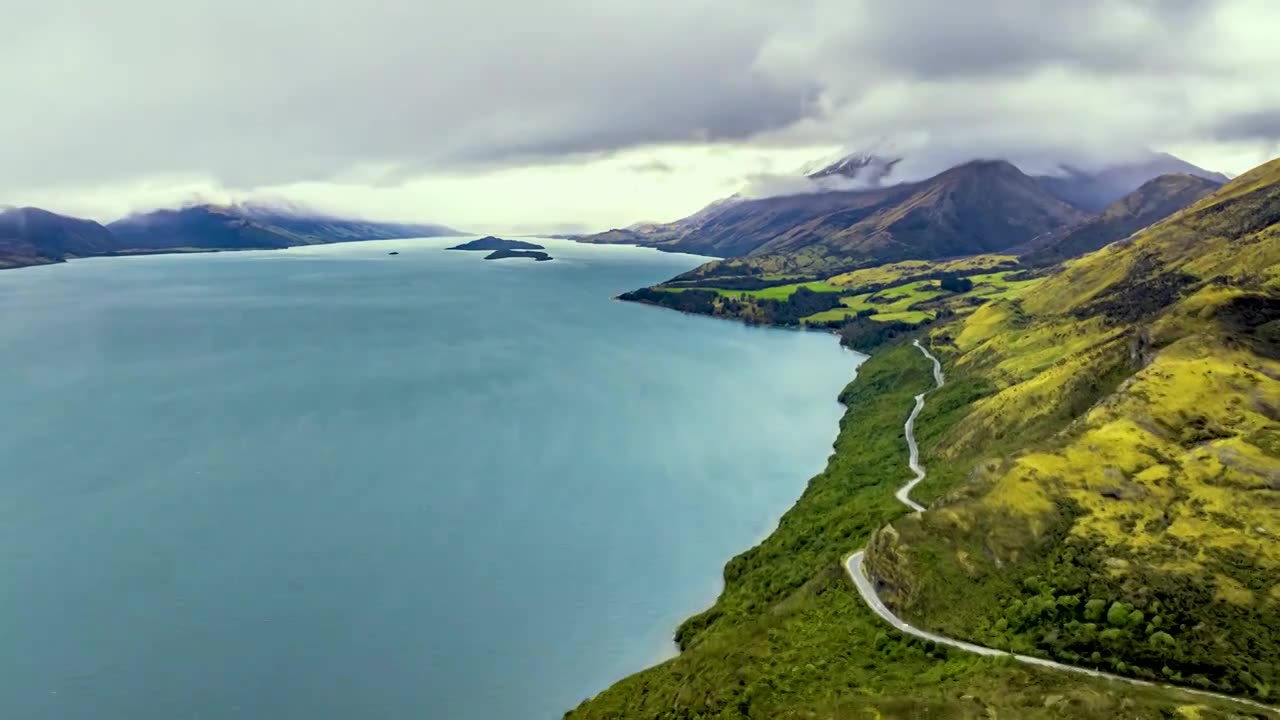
{"type": "Point", "coordinates": [1111, 496]}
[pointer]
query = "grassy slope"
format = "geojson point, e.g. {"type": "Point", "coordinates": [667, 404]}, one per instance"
{"type": "Point", "coordinates": [777, 292]}
{"type": "Point", "coordinates": [789, 637]}
{"type": "Point", "coordinates": [915, 301]}
{"type": "Point", "coordinates": [899, 272]}
{"type": "Point", "coordinates": [1112, 493]}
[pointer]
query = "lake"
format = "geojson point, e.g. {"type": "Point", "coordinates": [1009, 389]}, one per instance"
{"type": "Point", "coordinates": [329, 482]}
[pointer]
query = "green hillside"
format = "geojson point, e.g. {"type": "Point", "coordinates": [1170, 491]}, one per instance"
{"type": "Point", "coordinates": [1112, 493]}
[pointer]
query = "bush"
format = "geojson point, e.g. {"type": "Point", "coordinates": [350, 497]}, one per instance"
{"type": "Point", "coordinates": [1094, 609]}
{"type": "Point", "coordinates": [1118, 615]}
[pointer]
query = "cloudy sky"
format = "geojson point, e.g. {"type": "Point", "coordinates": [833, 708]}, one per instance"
{"type": "Point", "coordinates": [556, 114]}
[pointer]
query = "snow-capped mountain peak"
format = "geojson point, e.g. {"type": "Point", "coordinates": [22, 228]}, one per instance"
{"type": "Point", "coordinates": [868, 168]}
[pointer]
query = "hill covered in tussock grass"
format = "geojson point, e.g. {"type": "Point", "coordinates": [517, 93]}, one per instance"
{"type": "Point", "coordinates": [1111, 495]}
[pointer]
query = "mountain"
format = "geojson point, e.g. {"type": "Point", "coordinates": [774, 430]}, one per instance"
{"type": "Point", "coordinates": [31, 236]}
{"type": "Point", "coordinates": [198, 227]}
{"type": "Point", "coordinates": [251, 226]}
{"type": "Point", "coordinates": [976, 207]}
{"type": "Point", "coordinates": [320, 227]}
{"type": "Point", "coordinates": [1154, 201]}
{"type": "Point", "coordinates": [981, 206]}
{"type": "Point", "coordinates": [1094, 190]}
{"type": "Point", "coordinates": [848, 189]}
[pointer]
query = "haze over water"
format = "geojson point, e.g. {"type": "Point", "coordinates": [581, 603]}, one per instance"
{"type": "Point", "coordinates": [331, 483]}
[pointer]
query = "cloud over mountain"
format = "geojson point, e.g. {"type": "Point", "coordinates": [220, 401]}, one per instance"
{"type": "Point", "coordinates": [250, 94]}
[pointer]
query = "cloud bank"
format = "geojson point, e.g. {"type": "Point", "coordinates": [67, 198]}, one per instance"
{"type": "Point", "coordinates": [273, 93]}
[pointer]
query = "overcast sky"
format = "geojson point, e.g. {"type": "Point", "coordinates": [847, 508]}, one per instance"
{"type": "Point", "coordinates": [514, 115]}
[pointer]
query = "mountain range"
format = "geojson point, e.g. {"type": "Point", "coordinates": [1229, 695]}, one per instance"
{"type": "Point", "coordinates": [32, 236]}
{"type": "Point", "coordinates": [1095, 190]}
{"type": "Point", "coordinates": [1153, 201]}
{"type": "Point", "coordinates": [979, 206]}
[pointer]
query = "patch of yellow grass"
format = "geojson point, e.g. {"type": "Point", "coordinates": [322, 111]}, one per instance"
{"type": "Point", "coordinates": [1166, 456]}
{"type": "Point", "coordinates": [1081, 280]}
{"type": "Point", "coordinates": [1023, 488]}
{"type": "Point", "coordinates": [911, 317]}
{"type": "Point", "coordinates": [982, 324]}
{"type": "Point", "coordinates": [1189, 712]}
{"type": "Point", "coordinates": [1230, 591]}
{"type": "Point", "coordinates": [907, 269]}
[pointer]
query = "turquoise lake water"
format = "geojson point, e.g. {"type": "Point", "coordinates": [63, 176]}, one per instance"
{"type": "Point", "coordinates": [331, 483]}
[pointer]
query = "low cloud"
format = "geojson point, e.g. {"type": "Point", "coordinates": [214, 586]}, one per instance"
{"type": "Point", "coordinates": [1258, 125]}
{"type": "Point", "coordinates": [653, 166]}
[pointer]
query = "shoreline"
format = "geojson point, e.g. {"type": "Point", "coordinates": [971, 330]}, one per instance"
{"type": "Point", "coordinates": [148, 252]}
{"type": "Point", "coordinates": [740, 321]}
{"type": "Point", "coordinates": [142, 252]}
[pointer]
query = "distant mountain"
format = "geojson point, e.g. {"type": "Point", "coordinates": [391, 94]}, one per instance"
{"type": "Point", "coordinates": [1151, 203]}
{"type": "Point", "coordinates": [31, 236]}
{"type": "Point", "coordinates": [320, 227]}
{"type": "Point", "coordinates": [735, 229]}
{"type": "Point", "coordinates": [198, 227]}
{"type": "Point", "coordinates": [980, 206]}
{"type": "Point", "coordinates": [848, 190]}
{"type": "Point", "coordinates": [250, 226]}
{"type": "Point", "coordinates": [1094, 190]}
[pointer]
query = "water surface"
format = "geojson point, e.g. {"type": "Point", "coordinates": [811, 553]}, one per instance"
{"type": "Point", "coordinates": [333, 483]}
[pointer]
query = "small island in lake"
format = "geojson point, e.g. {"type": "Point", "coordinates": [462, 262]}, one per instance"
{"type": "Point", "coordinates": [501, 254]}
{"type": "Point", "coordinates": [494, 243]}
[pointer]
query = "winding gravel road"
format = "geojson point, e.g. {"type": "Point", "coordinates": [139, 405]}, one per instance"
{"type": "Point", "coordinates": [866, 587]}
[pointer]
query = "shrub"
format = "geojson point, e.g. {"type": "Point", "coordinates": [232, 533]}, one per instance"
{"type": "Point", "coordinates": [1094, 609]}
{"type": "Point", "coordinates": [1118, 615]}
